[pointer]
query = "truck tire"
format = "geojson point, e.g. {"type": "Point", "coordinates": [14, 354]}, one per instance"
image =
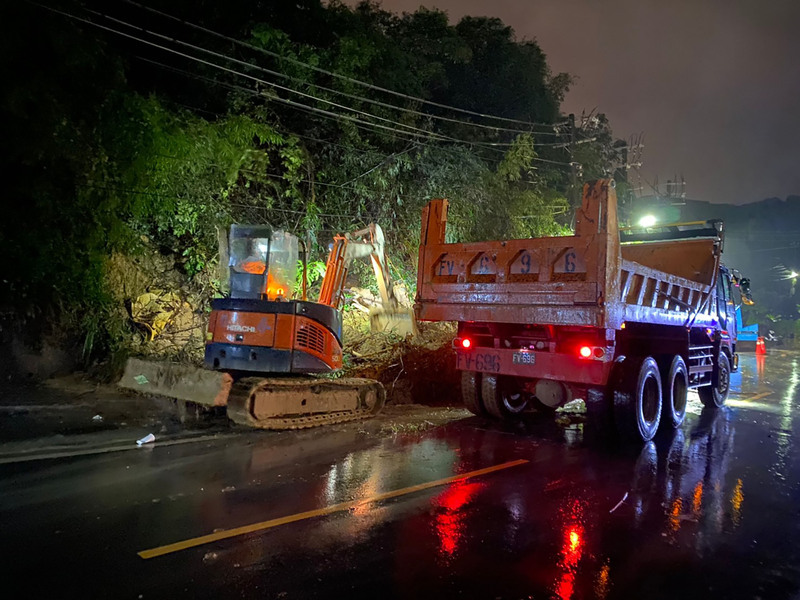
{"type": "Point", "coordinates": [471, 393]}
{"type": "Point", "coordinates": [637, 399]}
{"type": "Point", "coordinates": [501, 398]}
{"type": "Point", "coordinates": [714, 396]}
{"type": "Point", "coordinates": [675, 391]}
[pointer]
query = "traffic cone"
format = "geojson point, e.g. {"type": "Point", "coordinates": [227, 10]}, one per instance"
{"type": "Point", "coordinates": [761, 347]}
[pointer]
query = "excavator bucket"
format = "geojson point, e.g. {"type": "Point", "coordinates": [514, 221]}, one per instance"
{"type": "Point", "coordinates": [393, 319]}
{"type": "Point", "coordinates": [390, 316]}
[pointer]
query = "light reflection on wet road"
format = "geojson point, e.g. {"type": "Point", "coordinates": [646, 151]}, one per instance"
{"type": "Point", "coordinates": [713, 510]}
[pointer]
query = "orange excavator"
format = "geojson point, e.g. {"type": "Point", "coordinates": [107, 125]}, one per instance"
{"type": "Point", "coordinates": [259, 329]}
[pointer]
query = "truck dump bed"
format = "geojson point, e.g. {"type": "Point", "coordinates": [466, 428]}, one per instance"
{"type": "Point", "coordinates": [589, 279]}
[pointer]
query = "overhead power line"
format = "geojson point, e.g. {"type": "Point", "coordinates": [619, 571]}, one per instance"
{"type": "Point", "coordinates": [252, 77]}
{"type": "Point", "coordinates": [252, 92]}
{"type": "Point", "coordinates": [338, 75]}
{"type": "Point", "coordinates": [429, 135]}
{"type": "Point", "coordinates": [325, 142]}
{"type": "Point", "coordinates": [299, 135]}
{"type": "Point", "coordinates": [413, 132]}
{"type": "Point", "coordinates": [317, 98]}
{"type": "Point", "coordinates": [420, 133]}
{"type": "Point", "coordinates": [346, 94]}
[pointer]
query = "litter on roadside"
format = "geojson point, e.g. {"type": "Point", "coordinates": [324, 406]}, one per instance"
{"type": "Point", "coordinates": [146, 439]}
{"type": "Point", "coordinates": [625, 497]}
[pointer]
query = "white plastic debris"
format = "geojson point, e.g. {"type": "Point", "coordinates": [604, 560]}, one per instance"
{"type": "Point", "coordinates": [146, 439]}
{"type": "Point", "coordinates": [625, 497]}
{"type": "Point", "coordinates": [97, 418]}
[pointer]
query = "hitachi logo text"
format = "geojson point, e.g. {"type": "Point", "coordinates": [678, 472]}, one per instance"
{"type": "Point", "coordinates": [241, 328]}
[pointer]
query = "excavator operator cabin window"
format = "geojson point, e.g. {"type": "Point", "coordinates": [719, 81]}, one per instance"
{"type": "Point", "coordinates": [249, 255]}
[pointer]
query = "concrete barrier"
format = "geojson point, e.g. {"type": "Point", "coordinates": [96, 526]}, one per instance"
{"type": "Point", "coordinates": [173, 380]}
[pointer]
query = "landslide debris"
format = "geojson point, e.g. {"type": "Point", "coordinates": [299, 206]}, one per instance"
{"type": "Point", "coordinates": [417, 370]}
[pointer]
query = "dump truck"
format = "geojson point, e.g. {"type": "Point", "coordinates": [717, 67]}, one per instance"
{"type": "Point", "coordinates": [628, 320]}
{"type": "Point", "coordinates": [263, 343]}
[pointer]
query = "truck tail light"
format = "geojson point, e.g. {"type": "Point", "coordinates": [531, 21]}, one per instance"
{"type": "Point", "coordinates": [462, 343]}
{"type": "Point", "coordinates": [593, 352]}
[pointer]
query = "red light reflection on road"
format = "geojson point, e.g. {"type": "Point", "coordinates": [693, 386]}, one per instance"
{"type": "Point", "coordinates": [571, 551]}
{"type": "Point", "coordinates": [574, 541]}
{"type": "Point", "coordinates": [450, 521]}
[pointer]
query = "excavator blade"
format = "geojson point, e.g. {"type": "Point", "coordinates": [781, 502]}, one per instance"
{"type": "Point", "coordinates": [399, 321]}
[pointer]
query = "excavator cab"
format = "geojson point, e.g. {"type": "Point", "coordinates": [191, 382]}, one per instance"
{"type": "Point", "coordinates": [262, 263]}
{"type": "Point", "coordinates": [259, 327]}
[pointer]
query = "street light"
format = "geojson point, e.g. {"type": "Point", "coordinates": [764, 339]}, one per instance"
{"type": "Point", "coordinates": [647, 221]}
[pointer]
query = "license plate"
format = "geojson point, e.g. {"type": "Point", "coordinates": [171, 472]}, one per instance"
{"type": "Point", "coordinates": [487, 362]}
{"type": "Point", "coordinates": [523, 358]}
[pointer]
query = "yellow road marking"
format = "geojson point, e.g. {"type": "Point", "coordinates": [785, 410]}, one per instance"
{"type": "Point", "coordinates": [237, 531]}
{"type": "Point", "coordinates": [756, 397]}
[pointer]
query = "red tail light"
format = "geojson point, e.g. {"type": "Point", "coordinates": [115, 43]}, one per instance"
{"type": "Point", "coordinates": [585, 351]}
{"type": "Point", "coordinates": [466, 343]}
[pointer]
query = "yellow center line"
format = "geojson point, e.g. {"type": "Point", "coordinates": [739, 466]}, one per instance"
{"type": "Point", "coordinates": [237, 531]}
{"type": "Point", "coordinates": [757, 397]}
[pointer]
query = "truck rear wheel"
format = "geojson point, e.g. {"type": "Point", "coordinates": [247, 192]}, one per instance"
{"type": "Point", "coordinates": [675, 383]}
{"type": "Point", "coordinates": [637, 399]}
{"type": "Point", "coordinates": [471, 393]}
{"type": "Point", "coordinates": [714, 396]}
{"type": "Point", "coordinates": [502, 397]}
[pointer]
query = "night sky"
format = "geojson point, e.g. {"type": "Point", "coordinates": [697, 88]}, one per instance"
{"type": "Point", "coordinates": [713, 84]}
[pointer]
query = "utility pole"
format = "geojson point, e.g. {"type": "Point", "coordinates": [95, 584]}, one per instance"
{"type": "Point", "coordinates": [573, 168]}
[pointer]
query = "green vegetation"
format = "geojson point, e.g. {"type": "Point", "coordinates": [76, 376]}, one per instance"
{"type": "Point", "coordinates": [116, 147]}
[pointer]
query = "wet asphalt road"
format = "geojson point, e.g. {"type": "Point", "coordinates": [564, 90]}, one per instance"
{"type": "Point", "coordinates": [710, 512]}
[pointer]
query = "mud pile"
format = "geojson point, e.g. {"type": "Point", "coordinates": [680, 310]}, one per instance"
{"type": "Point", "coordinates": [413, 371]}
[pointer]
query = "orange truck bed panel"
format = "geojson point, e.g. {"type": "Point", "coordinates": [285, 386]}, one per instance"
{"type": "Point", "coordinates": [588, 279]}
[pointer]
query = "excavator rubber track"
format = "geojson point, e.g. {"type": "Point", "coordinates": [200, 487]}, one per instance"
{"type": "Point", "coordinates": [300, 403]}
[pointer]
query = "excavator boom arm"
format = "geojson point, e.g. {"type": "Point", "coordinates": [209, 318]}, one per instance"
{"type": "Point", "coordinates": [368, 242]}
